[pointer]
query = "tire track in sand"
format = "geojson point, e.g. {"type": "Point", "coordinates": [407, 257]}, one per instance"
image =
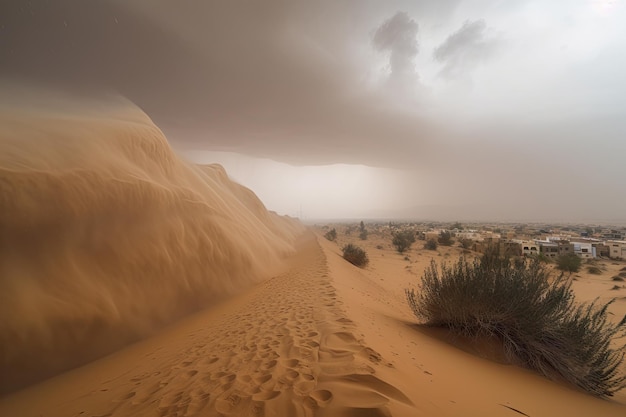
{"type": "Point", "coordinates": [290, 352]}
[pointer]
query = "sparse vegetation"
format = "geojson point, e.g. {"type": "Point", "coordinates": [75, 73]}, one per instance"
{"type": "Point", "coordinates": [466, 243]}
{"type": "Point", "coordinates": [431, 244]}
{"type": "Point", "coordinates": [543, 258]}
{"type": "Point", "coordinates": [536, 318]}
{"type": "Point", "coordinates": [403, 240]}
{"type": "Point", "coordinates": [355, 255]}
{"type": "Point", "coordinates": [594, 270]}
{"type": "Point", "coordinates": [331, 235]}
{"type": "Point", "coordinates": [617, 278]}
{"type": "Point", "coordinates": [569, 263]}
{"type": "Point", "coordinates": [445, 238]}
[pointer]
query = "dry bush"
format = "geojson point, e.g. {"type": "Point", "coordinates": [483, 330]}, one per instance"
{"type": "Point", "coordinates": [431, 244]}
{"type": "Point", "coordinates": [536, 318]}
{"type": "Point", "coordinates": [403, 240]}
{"type": "Point", "coordinates": [594, 270]}
{"type": "Point", "coordinates": [355, 255]}
{"type": "Point", "coordinates": [331, 234]}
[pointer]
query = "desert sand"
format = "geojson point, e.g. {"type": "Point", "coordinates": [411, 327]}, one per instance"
{"type": "Point", "coordinates": [137, 284]}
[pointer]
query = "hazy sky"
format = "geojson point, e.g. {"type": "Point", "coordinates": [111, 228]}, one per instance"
{"type": "Point", "coordinates": [452, 109]}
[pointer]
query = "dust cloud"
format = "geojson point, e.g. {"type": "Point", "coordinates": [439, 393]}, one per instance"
{"type": "Point", "coordinates": [108, 235]}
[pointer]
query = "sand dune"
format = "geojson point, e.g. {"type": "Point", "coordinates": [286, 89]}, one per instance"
{"type": "Point", "coordinates": [108, 235]}
{"type": "Point", "coordinates": [285, 348]}
{"type": "Point", "coordinates": [323, 338]}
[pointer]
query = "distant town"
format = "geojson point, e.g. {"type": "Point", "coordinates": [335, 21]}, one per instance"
{"type": "Point", "coordinates": [540, 240]}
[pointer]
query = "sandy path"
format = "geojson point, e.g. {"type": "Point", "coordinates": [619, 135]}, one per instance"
{"type": "Point", "coordinates": [286, 348]}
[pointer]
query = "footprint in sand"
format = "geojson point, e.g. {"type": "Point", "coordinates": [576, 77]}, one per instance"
{"type": "Point", "coordinates": [321, 397]}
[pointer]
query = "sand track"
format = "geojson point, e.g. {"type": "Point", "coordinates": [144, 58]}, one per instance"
{"type": "Point", "coordinates": [287, 348]}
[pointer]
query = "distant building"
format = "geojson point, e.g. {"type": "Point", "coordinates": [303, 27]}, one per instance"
{"type": "Point", "coordinates": [469, 234]}
{"type": "Point", "coordinates": [584, 250]}
{"type": "Point", "coordinates": [617, 249]}
{"type": "Point", "coordinates": [602, 249]}
{"type": "Point", "coordinates": [614, 235]}
{"type": "Point", "coordinates": [547, 248]}
{"type": "Point", "coordinates": [565, 247]}
{"type": "Point", "coordinates": [528, 247]}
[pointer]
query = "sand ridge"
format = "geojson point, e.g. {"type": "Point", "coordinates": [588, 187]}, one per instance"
{"type": "Point", "coordinates": [107, 235]}
{"type": "Point", "coordinates": [287, 347]}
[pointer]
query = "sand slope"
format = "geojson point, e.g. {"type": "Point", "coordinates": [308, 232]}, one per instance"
{"type": "Point", "coordinates": [324, 338]}
{"type": "Point", "coordinates": [285, 348]}
{"type": "Point", "coordinates": [445, 375]}
{"type": "Point", "coordinates": [107, 235]}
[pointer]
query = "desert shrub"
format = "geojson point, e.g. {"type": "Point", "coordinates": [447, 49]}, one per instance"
{"type": "Point", "coordinates": [445, 238]}
{"type": "Point", "coordinates": [617, 278]}
{"type": "Point", "coordinates": [623, 269]}
{"type": "Point", "coordinates": [431, 244]}
{"type": "Point", "coordinates": [594, 270]}
{"type": "Point", "coordinates": [616, 287]}
{"type": "Point", "coordinates": [466, 243]}
{"type": "Point", "coordinates": [569, 263]}
{"type": "Point", "coordinates": [363, 234]}
{"type": "Point", "coordinates": [536, 318]}
{"type": "Point", "coordinates": [379, 246]}
{"type": "Point", "coordinates": [541, 257]}
{"type": "Point", "coordinates": [403, 240]}
{"type": "Point", "coordinates": [355, 255]}
{"type": "Point", "coordinates": [331, 235]}
{"type": "Point", "coordinates": [622, 274]}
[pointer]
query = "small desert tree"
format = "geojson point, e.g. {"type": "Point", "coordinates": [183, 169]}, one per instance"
{"type": "Point", "coordinates": [569, 263]}
{"type": "Point", "coordinates": [445, 238]}
{"type": "Point", "coordinates": [466, 243]}
{"type": "Point", "coordinates": [355, 255]}
{"type": "Point", "coordinates": [331, 235]}
{"type": "Point", "coordinates": [536, 318]}
{"type": "Point", "coordinates": [403, 240]}
{"type": "Point", "coordinates": [431, 244]}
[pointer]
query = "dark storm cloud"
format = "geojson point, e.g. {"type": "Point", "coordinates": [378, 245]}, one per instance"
{"type": "Point", "coordinates": [465, 48]}
{"type": "Point", "coordinates": [296, 82]}
{"type": "Point", "coordinates": [272, 78]}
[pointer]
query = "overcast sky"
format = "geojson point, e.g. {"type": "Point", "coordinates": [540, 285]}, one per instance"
{"type": "Point", "coordinates": [451, 109]}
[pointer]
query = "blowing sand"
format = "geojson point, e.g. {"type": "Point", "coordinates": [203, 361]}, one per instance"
{"type": "Point", "coordinates": [109, 238]}
{"type": "Point", "coordinates": [107, 235]}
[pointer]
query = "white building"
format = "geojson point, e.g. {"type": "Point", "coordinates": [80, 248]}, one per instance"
{"type": "Point", "coordinates": [617, 248]}
{"type": "Point", "coordinates": [584, 250]}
